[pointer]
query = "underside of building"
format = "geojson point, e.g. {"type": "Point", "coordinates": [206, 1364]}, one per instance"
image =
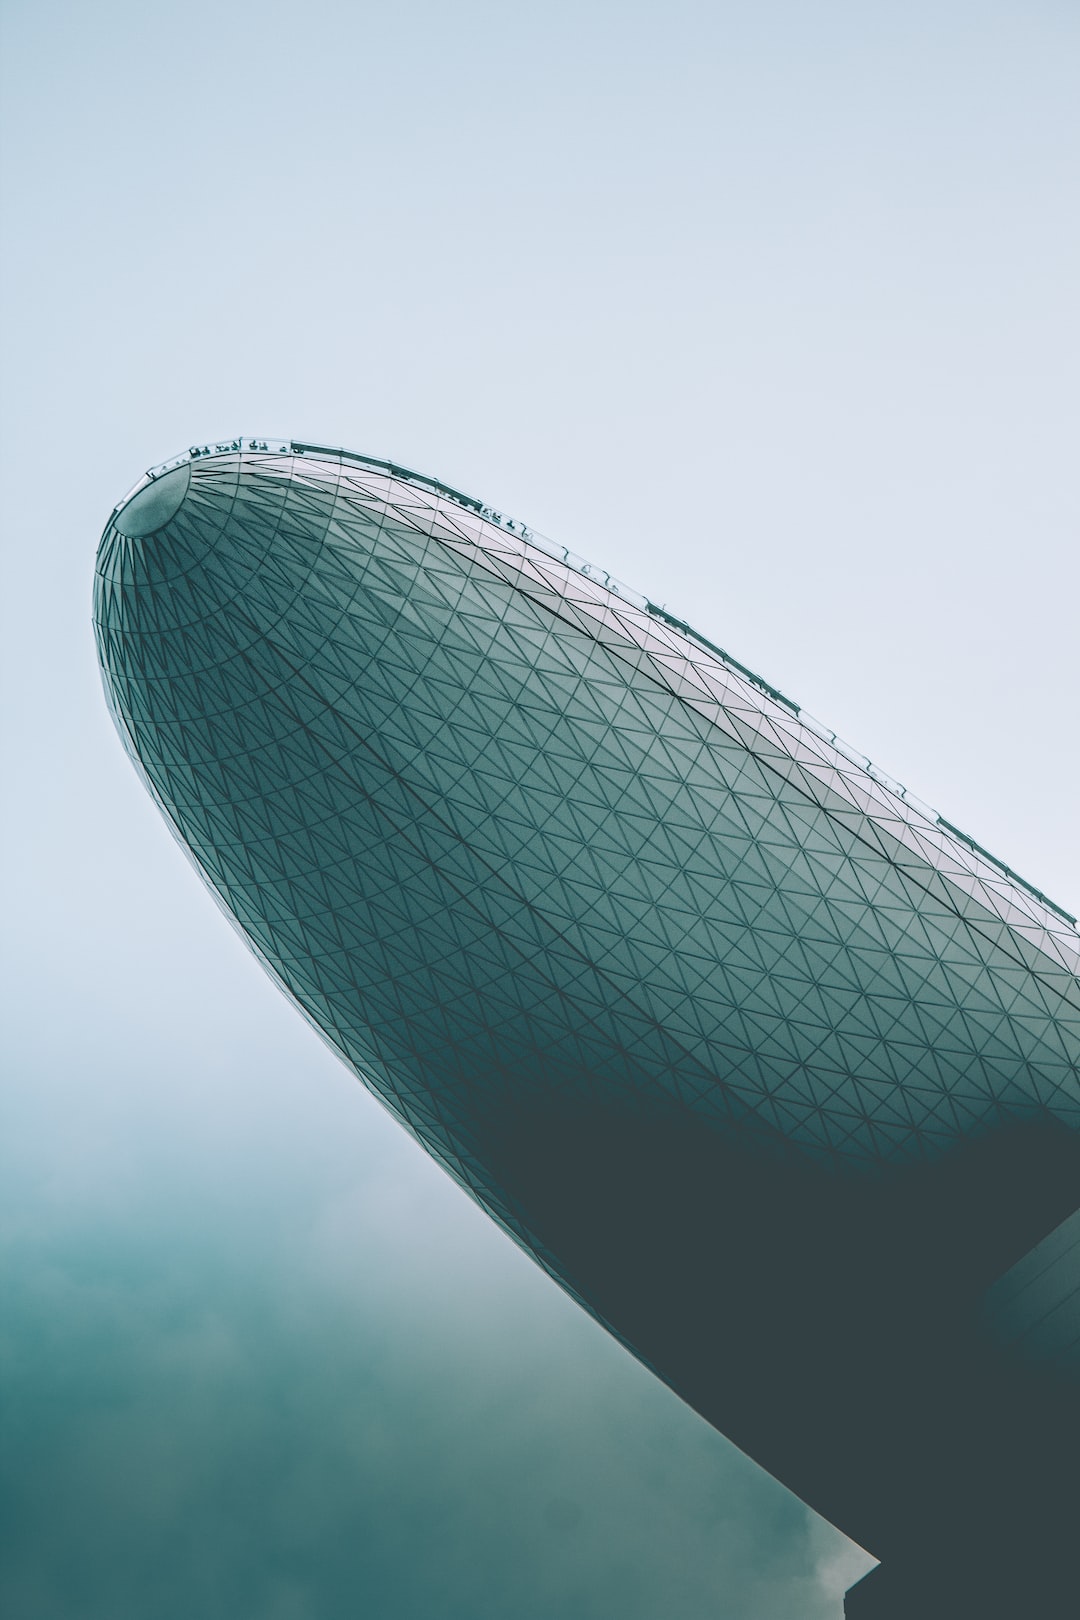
{"type": "Point", "coordinates": [772, 1068]}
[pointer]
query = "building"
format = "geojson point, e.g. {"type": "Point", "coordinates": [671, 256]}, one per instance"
{"type": "Point", "coordinates": [775, 1071]}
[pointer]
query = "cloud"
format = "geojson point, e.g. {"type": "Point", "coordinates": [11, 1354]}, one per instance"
{"type": "Point", "coordinates": [273, 1400]}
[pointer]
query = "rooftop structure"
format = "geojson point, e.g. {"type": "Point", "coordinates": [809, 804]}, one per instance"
{"type": "Point", "coordinates": [775, 1070]}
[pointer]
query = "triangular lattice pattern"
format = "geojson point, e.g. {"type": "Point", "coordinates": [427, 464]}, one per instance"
{"type": "Point", "coordinates": [496, 822]}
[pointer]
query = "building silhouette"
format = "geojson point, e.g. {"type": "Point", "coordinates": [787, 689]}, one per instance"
{"type": "Point", "coordinates": [772, 1068]}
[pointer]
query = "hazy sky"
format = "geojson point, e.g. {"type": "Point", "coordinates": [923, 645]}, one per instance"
{"type": "Point", "coordinates": [771, 309]}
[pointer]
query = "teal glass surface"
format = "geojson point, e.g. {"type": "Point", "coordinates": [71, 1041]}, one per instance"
{"type": "Point", "coordinates": [706, 1010]}
{"type": "Point", "coordinates": [478, 815]}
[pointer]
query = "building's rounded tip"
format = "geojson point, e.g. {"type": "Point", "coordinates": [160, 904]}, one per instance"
{"type": "Point", "coordinates": [153, 505]}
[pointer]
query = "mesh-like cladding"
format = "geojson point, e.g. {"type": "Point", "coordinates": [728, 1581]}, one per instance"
{"type": "Point", "coordinates": [494, 825]}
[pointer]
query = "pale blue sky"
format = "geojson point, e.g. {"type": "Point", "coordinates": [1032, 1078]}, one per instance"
{"type": "Point", "coordinates": [770, 310]}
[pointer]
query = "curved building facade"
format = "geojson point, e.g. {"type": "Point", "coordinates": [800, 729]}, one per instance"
{"type": "Point", "coordinates": [772, 1068]}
